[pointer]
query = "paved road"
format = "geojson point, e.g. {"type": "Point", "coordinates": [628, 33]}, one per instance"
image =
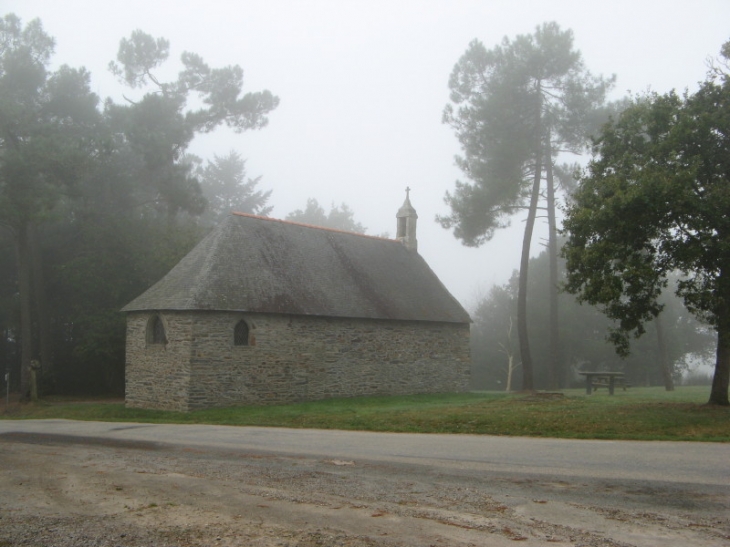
{"type": "Point", "coordinates": [666, 462]}
{"type": "Point", "coordinates": [146, 484]}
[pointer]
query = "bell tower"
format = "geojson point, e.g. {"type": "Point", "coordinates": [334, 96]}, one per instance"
{"type": "Point", "coordinates": [407, 217]}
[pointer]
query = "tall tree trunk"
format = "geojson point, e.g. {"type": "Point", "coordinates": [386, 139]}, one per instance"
{"type": "Point", "coordinates": [664, 366]}
{"type": "Point", "coordinates": [41, 304]}
{"type": "Point", "coordinates": [721, 378]}
{"type": "Point", "coordinates": [26, 325]}
{"type": "Point", "coordinates": [554, 376]}
{"type": "Point", "coordinates": [528, 383]}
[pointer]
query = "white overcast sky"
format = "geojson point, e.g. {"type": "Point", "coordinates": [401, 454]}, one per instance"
{"type": "Point", "coordinates": [363, 84]}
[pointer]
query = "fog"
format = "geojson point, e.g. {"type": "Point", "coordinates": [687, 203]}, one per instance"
{"type": "Point", "coordinates": [363, 85]}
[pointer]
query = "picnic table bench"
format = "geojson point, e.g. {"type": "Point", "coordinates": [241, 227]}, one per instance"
{"type": "Point", "coordinates": [610, 380]}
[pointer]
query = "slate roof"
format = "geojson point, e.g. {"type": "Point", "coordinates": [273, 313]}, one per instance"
{"type": "Point", "coordinates": [257, 264]}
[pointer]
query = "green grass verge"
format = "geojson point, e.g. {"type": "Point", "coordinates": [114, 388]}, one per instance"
{"type": "Point", "coordinates": [637, 414]}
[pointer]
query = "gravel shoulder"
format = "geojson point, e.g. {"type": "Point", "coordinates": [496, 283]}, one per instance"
{"type": "Point", "coordinates": [67, 491]}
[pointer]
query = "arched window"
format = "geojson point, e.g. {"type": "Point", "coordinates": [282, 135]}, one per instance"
{"type": "Point", "coordinates": [156, 331]}
{"type": "Point", "coordinates": [240, 334]}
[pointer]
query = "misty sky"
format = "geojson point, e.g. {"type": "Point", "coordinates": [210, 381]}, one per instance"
{"type": "Point", "coordinates": [363, 85]}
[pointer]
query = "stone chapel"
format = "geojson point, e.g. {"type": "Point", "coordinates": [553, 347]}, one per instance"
{"type": "Point", "coordinates": [265, 311]}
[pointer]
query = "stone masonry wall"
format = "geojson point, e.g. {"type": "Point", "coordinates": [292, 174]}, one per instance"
{"type": "Point", "coordinates": [157, 376]}
{"type": "Point", "coordinates": [295, 358]}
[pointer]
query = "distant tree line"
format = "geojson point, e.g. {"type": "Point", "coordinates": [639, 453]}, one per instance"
{"type": "Point", "coordinates": [673, 345]}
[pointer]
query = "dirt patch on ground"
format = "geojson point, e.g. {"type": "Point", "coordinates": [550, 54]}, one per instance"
{"type": "Point", "coordinates": [65, 491]}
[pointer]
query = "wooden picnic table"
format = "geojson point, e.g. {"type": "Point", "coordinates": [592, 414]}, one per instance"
{"type": "Point", "coordinates": [595, 380]}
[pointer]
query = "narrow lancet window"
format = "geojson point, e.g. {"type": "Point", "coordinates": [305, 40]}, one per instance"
{"type": "Point", "coordinates": [156, 331]}
{"type": "Point", "coordinates": [240, 334]}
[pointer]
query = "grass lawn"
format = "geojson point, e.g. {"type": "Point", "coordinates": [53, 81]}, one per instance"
{"type": "Point", "coordinates": [638, 413]}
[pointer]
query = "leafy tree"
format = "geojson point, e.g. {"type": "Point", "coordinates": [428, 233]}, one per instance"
{"type": "Point", "coordinates": [46, 128]}
{"type": "Point", "coordinates": [160, 126]}
{"type": "Point", "coordinates": [654, 201]}
{"type": "Point", "coordinates": [340, 217]}
{"type": "Point", "coordinates": [514, 108]}
{"type": "Point", "coordinates": [218, 89]}
{"type": "Point", "coordinates": [227, 189]}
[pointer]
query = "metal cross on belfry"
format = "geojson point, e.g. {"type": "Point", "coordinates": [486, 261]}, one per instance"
{"type": "Point", "coordinates": [408, 191]}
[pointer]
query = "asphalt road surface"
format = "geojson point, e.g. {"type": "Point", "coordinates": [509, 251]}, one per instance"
{"type": "Point", "coordinates": [679, 462]}
{"type": "Point", "coordinates": [145, 484]}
